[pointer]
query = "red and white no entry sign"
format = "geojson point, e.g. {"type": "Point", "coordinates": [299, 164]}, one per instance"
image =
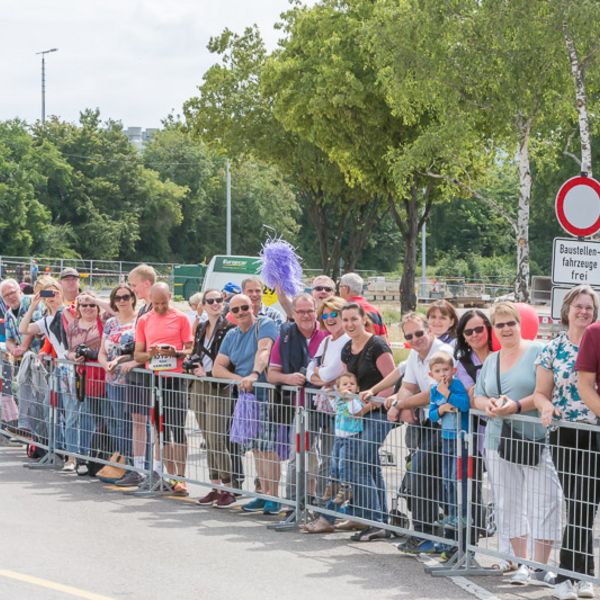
{"type": "Point", "coordinates": [578, 206]}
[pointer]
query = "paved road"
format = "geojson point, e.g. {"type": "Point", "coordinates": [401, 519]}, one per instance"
{"type": "Point", "coordinates": [60, 530]}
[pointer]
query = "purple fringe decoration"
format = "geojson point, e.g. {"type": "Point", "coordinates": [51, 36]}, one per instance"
{"type": "Point", "coordinates": [281, 267]}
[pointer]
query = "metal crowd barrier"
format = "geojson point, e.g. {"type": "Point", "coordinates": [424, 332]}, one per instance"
{"type": "Point", "coordinates": [535, 505]}
{"type": "Point", "coordinates": [544, 487]}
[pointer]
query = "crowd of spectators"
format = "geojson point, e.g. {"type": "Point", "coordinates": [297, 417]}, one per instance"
{"type": "Point", "coordinates": [331, 354]}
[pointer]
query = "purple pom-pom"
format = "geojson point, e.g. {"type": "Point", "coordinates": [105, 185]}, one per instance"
{"type": "Point", "coordinates": [281, 267]}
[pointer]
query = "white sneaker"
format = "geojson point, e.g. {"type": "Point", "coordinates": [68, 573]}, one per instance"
{"type": "Point", "coordinates": [585, 589]}
{"type": "Point", "coordinates": [539, 577]}
{"type": "Point", "coordinates": [564, 591]}
{"type": "Point", "coordinates": [69, 466]}
{"type": "Point", "coordinates": [522, 576]}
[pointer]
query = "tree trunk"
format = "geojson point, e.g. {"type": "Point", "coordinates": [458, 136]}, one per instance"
{"type": "Point", "coordinates": [317, 217]}
{"type": "Point", "coordinates": [363, 223]}
{"type": "Point", "coordinates": [409, 228]}
{"type": "Point", "coordinates": [580, 103]}
{"type": "Point", "coordinates": [522, 279]}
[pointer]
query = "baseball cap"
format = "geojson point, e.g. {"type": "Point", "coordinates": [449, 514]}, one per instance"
{"type": "Point", "coordinates": [232, 288]}
{"type": "Point", "coordinates": [69, 272]}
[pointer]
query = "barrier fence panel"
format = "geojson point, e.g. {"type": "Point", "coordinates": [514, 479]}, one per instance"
{"type": "Point", "coordinates": [229, 442]}
{"type": "Point", "coordinates": [541, 488]}
{"type": "Point", "coordinates": [386, 476]}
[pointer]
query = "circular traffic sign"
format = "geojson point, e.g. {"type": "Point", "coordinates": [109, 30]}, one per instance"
{"type": "Point", "coordinates": [578, 206]}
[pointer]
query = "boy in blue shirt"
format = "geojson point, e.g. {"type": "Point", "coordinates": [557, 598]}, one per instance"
{"type": "Point", "coordinates": [449, 402]}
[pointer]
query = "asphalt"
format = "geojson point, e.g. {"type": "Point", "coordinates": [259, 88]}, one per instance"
{"type": "Point", "coordinates": [63, 536]}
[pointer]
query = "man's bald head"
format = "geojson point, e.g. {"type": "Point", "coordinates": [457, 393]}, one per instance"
{"type": "Point", "coordinates": [240, 307]}
{"type": "Point", "coordinates": [160, 296]}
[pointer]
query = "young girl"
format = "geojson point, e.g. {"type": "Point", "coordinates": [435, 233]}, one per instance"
{"type": "Point", "coordinates": [348, 424]}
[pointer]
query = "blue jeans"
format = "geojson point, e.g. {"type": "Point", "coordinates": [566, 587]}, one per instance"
{"type": "Point", "coordinates": [449, 472]}
{"type": "Point", "coordinates": [115, 411]}
{"type": "Point", "coordinates": [368, 487]}
{"type": "Point", "coordinates": [342, 458]}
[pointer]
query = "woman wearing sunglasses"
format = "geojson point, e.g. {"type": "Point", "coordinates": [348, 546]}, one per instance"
{"type": "Point", "coordinates": [116, 356]}
{"type": "Point", "coordinates": [527, 497]}
{"type": "Point", "coordinates": [84, 335]}
{"type": "Point", "coordinates": [322, 372]}
{"type": "Point", "coordinates": [473, 346]}
{"type": "Point", "coordinates": [212, 407]}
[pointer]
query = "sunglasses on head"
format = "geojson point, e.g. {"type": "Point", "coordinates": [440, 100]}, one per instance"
{"type": "Point", "coordinates": [323, 288]}
{"type": "Point", "coordinates": [472, 330]}
{"type": "Point", "coordinates": [331, 315]}
{"type": "Point", "coordinates": [417, 334]}
{"type": "Point", "coordinates": [236, 309]}
{"type": "Point", "coordinates": [87, 306]}
{"type": "Point", "coordinates": [213, 300]}
{"type": "Point", "coordinates": [503, 325]}
{"type": "Point", "coordinates": [123, 298]}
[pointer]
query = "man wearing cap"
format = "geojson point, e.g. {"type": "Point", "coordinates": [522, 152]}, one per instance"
{"type": "Point", "coordinates": [69, 281]}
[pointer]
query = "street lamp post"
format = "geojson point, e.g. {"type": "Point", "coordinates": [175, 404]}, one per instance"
{"type": "Point", "coordinates": [43, 53]}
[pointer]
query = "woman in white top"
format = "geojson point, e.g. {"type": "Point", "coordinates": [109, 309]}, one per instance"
{"type": "Point", "coordinates": [53, 326]}
{"type": "Point", "coordinates": [322, 372]}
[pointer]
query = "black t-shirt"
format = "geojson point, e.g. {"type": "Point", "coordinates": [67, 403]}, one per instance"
{"type": "Point", "coordinates": [364, 364]}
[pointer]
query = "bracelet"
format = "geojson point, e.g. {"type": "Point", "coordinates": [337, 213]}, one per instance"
{"type": "Point", "coordinates": [519, 407]}
{"type": "Point", "coordinates": [395, 403]}
{"type": "Point", "coordinates": [257, 373]}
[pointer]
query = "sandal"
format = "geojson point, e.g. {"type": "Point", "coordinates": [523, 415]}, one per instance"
{"type": "Point", "coordinates": [505, 566]}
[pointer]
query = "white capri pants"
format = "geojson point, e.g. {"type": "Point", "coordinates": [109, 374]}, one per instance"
{"type": "Point", "coordinates": [528, 500]}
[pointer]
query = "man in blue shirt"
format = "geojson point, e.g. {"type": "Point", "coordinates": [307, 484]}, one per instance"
{"type": "Point", "coordinates": [244, 357]}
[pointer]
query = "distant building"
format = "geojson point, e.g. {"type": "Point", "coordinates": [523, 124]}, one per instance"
{"type": "Point", "coordinates": [139, 137]}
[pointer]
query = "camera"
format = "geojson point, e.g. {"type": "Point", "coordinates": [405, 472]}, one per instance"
{"type": "Point", "coordinates": [126, 349]}
{"type": "Point", "coordinates": [191, 362]}
{"type": "Point", "coordinates": [83, 351]}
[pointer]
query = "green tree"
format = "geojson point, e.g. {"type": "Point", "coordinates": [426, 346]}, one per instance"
{"type": "Point", "coordinates": [102, 194]}
{"type": "Point", "coordinates": [234, 115]}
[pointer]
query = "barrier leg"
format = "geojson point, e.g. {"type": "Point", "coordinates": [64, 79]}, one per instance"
{"type": "Point", "coordinates": [298, 513]}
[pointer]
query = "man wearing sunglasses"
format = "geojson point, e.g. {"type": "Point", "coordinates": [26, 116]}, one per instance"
{"type": "Point", "coordinates": [244, 357]}
{"type": "Point", "coordinates": [413, 396]}
{"type": "Point", "coordinates": [322, 287]}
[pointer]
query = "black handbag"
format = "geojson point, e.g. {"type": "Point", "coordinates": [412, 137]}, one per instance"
{"type": "Point", "coordinates": [514, 447]}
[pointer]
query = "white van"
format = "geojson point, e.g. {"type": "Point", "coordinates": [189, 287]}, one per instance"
{"type": "Point", "coordinates": [234, 269]}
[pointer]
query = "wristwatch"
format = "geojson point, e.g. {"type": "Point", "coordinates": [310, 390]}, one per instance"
{"type": "Point", "coordinates": [519, 407]}
{"type": "Point", "coordinates": [257, 373]}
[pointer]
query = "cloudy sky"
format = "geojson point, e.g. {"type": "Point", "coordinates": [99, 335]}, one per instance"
{"type": "Point", "coordinates": [136, 60]}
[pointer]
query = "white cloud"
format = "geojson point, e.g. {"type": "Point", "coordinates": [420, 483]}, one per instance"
{"type": "Point", "coordinates": [135, 60]}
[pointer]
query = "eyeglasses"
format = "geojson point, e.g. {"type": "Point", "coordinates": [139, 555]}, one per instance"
{"type": "Point", "coordinates": [582, 307]}
{"type": "Point", "coordinates": [417, 334]}
{"type": "Point", "coordinates": [213, 300]}
{"type": "Point", "coordinates": [469, 332]}
{"type": "Point", "coordinates": [123, 298]}
{"type": "Point", "coordinates": [503, 325]}
{"type": "Point", "coordinates": [305, 313]}
{"type": "Point", "coordinates": [88, 305]}
{"type": "Point", "coordinates": [322, 288]}
{"type": "Point", "coordinates": [236, 309]}
{"type": "Point", "coordinates": [331, 315]}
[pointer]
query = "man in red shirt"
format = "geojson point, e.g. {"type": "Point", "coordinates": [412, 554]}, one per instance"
{"type": "Point", "coordinates": [351, 288]}
{"type": "Point", "coordinates": [163, 337]}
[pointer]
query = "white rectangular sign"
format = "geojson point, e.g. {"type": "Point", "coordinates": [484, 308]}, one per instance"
{"type": "Point", "coordinates": [558, 296]}
{"type": "Point", "coordinates": [575, 262]}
